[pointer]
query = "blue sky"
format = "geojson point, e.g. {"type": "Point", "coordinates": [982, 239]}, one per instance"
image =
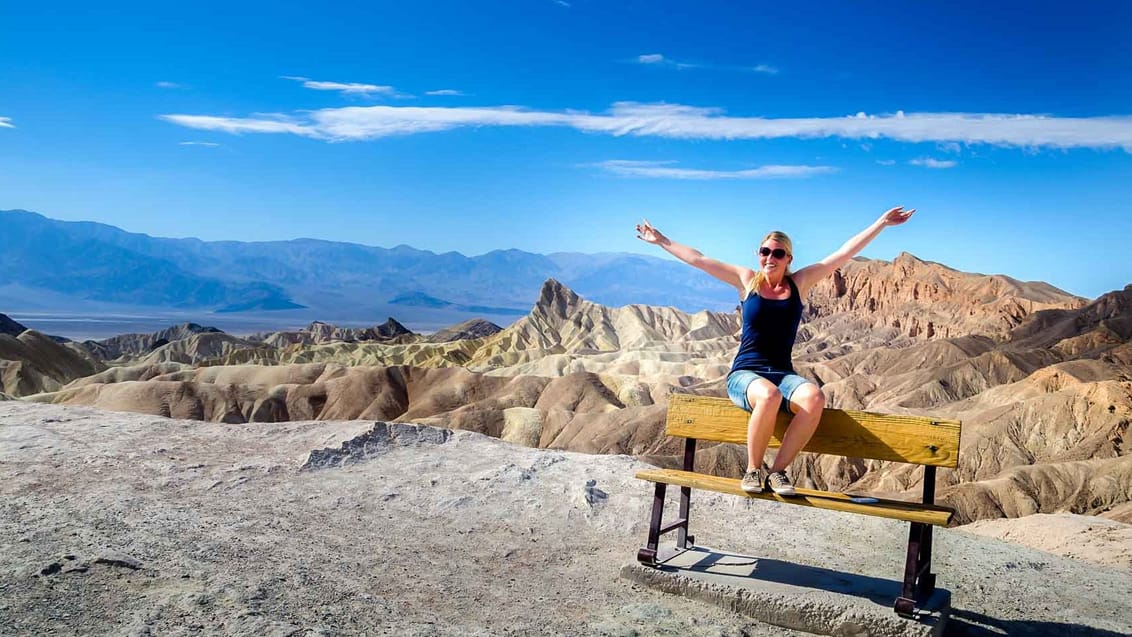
{"type": "Point", "coordinates": [555, 125]}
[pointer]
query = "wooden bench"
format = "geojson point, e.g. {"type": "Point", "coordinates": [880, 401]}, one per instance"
{"type": "Point", "coordinates": [856, 434]}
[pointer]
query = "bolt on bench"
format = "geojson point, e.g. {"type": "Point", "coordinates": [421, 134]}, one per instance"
{"type": "Point", "coordinates": [855, 434]}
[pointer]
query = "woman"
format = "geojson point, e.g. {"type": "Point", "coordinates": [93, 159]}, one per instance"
{"type": "Point", "coordinates": [762, 378]}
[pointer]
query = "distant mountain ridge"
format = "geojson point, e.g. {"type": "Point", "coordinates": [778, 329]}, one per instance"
{"type": "Point", "coordinates": [98, 262]}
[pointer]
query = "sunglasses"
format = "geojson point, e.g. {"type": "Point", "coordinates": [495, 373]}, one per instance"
{"type": "Point", "coordinates": [777, 253]}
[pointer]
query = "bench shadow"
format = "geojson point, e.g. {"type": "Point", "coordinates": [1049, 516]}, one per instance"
{"type": "Point", "coordinates": [965, 623]}
{"type": "Point", "coordinates": [737, 569]}
{"type": "Point", "coordinates": [742, 570]}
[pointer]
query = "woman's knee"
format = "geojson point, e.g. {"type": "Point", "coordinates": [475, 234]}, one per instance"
{"type": "Point", "coordinates": [809, 397]}
{"type": "Point", "coordinates": [762, 390]}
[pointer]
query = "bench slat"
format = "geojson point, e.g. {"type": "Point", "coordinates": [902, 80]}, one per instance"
{"type": "Point", "coordinates": [854, 434]}
{"type": "Point", "coordinates": [893, 509]}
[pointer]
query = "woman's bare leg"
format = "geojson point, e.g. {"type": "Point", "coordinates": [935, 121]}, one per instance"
{"type": "Point", "coordinates": [765, 399]}
{"type": "Point", "coordinates": [807, 403]}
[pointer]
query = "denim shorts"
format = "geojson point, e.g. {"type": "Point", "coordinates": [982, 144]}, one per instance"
{"type": "Point", "coordinates": [740, 379]}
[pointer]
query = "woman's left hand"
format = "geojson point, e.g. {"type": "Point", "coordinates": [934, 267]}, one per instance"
{"type": "Point", "coordinates": [896, 216]}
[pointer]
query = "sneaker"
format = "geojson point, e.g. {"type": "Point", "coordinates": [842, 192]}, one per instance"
{"type": "Point", "coordinates": [779, 483]}
{"type": "Point", "coordinates": [752, 481]}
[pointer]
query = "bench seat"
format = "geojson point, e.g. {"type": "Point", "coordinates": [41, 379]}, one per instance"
{"type": "Point", "coordinates": [893, 509]}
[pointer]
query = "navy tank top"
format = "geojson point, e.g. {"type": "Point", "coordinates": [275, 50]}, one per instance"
{"type": "Point", "coordinates": [769, 329]}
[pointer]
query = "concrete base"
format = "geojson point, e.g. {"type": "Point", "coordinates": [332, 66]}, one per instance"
{"type": "Point", "coordinates": [804, 598]}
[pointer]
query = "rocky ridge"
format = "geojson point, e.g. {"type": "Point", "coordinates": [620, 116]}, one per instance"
{"type": "Point", "coordinates": [318, 333]}
{"type": "Point", "coordinates": [472, 328]}
{"type": "Point", "coordinates": [874, 305]}
{"type": "Point", "coordinates": [132, 345]}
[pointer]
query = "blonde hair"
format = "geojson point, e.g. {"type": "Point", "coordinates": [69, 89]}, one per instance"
{"type": "Point", "coordinates": [760, 276]}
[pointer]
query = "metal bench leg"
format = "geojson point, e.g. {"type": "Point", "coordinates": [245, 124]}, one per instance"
{"type": "Point", "coordinates": [647, 555]}
{"type": "Point", "coordinates": [926, 580]}
{"type": "Point", "coordinates": [683, 540]}
{"type": "Point", "coordinates": [919, 581]}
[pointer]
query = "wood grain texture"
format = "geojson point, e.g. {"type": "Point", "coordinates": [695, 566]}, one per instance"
{"type": "Point", "coordinates": [892, 509]}
{"type": "Point", "coordinates": [854, 434]}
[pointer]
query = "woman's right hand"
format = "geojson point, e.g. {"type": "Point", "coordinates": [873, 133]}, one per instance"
{"type": "Point", "coordinates": [896, 216]}
{"type": "Point", "coordinates": [649, 234]}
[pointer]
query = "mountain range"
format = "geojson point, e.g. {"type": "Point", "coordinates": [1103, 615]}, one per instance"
{"type": "Point", "coordinates": [51, 265]}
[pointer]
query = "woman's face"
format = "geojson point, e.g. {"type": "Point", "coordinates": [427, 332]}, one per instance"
{"type": "Point", "coordinates": [773, 256]}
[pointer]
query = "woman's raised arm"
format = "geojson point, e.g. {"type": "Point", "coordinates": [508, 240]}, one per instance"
{"type": "Point", "coordinates": [731, 274]}
{"type": "Point", "coordinates": [809, 276]}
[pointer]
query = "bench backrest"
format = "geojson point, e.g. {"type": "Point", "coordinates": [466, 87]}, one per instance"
{"type": "Point", "coordinates": [854, 434]}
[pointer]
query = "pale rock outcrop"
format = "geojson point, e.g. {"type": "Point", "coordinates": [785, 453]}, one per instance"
{"type": "Point", "coordinates": [522, 426]}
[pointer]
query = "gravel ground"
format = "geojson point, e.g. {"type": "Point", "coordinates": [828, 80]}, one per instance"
{"type": "Point", "coordinates": [125, 524]}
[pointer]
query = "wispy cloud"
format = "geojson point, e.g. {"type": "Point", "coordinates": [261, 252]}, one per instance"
{"type": "Point", "coordinates": [659, 60]}
{"type": "Point", "coordinates": [209, 144]}
{"type": "Point", "coordinates": [168, 85]}
{"type": "Point", "coordinates": [675, 121]}
{"type": "Point", "coordinates": [664, 170]}
{"type": "Point", "coordinates": [562, 3]}
{"type": "Point", "coordinates": [950, 147]}
{"type": "Point", "coordinates": [929, 162]}
{"type": "Point", "coordinates": [350, 89]}
{"type": "Point", "coordinates": [445, 91]}
{"type": "Point", "coordinates": [236, 125]}
{"type": "Point", "coordinates": [6, 122]}
{"type": "Point", "coordinates": [345, 88]}
{"type": "Point", "coordinates": [886, 162]}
